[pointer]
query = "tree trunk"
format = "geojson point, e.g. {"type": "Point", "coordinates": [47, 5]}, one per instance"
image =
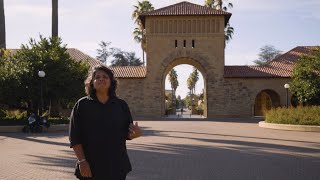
{"type": "Point", "coordinates": [54, 18]}
{"type": "Point", "coordinates": [2, 26]}
{"type": "Point", "coordinates": [55, 109]}
{"type": "Point", "coordinates": [143, 57]}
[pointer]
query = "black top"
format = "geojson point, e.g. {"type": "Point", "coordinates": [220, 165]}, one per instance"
{"type": "Point", "coordinates": [102, 129]}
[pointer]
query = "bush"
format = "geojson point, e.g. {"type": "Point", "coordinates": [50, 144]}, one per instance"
{"type": "Point", "coordinates": [301, 115]}
{"type": "Point", "coordinates": [18, 117]}
{"type": "Point", "coordinates": [62, 120]}
{"type": "Point", "coordinates": [3, 114]}
{"type": "Point", "coordinates": [16, 114]}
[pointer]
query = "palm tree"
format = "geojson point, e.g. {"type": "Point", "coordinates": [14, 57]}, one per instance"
{"type": "Point", "coordinates": [140, 38]}
{"type": "Point", "coordinates": [173, 78]}
{"type": "Point", "coordinates": [139, 32]}
{"type": "Point", "coordinates": [2, 27]}
{"type": "Point", "coordinates": [54, 18]}
{"type": "Point", "coordinates": [219, 5]}
{"type": "Point", "coordinates": [195, 78]}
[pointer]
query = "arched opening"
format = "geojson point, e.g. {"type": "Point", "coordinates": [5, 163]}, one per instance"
{"type": "Point", "coordinates": [266, 100]}
{"type": "Point", "coordinates": [185, 100]}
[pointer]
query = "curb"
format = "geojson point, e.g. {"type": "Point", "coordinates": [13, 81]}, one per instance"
{"type": "Point", "coordinates": [289, 127]}
{"type": "Point", "coordinates": [52, 128]}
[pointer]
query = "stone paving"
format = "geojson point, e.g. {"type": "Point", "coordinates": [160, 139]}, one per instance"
{"type": "Point", "coordinates": [177, 150]}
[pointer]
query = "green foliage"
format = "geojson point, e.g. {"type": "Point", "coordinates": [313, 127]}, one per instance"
{"type": "Point", "coordinates": [61, 120]}
{"type": "Point", "coordinates": [16, 114]}
{"type": "Point", "coordinates": [21, 83]}
{"type": "Point", "coordinates": [305, 84]}
{"type": "Point", "coordinates": [104, 52]}
{"type": "Point", "coordinates": [221, 5]}
{"type": "Point", "coordinates": [139, 32]}
{"type": "Point", "coordinates": [3, 113]}
{"type": "Point", "coordinates": [122, 58]}
{"type": "Point", "coordinates": [302, 115]}
{"type": "Point", "coordinates": [267, 53]}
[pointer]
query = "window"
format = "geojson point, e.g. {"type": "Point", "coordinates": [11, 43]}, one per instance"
{"type": "Point", "coordinates": [193, 44]}
{"type": "Point", "coordinates": [176, 43]}
{"type": "Point", "coordinates": [184, 43]}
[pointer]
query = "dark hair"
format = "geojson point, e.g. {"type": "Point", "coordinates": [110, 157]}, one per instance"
{"type": "Point", "coordinates": [89, 81]}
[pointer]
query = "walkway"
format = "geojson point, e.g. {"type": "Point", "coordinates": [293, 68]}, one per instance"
{"type": "Point", "coordinates": [177, 150]}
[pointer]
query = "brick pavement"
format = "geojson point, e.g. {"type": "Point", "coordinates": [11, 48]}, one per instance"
{"type": "Point", "coordinates": [177, 150]}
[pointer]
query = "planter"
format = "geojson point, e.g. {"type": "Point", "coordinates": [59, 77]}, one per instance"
{"type": "Point", "coordinates": [289, 127]}
{"type": "Point", "coordinates": [52, 128]}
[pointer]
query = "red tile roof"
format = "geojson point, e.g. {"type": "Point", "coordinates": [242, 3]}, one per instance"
{"type": "Point", "coordinates": [185, 9]}
{"type": "Point", "coordinates": [280, 67]}
{"type": "Point", "coordinates": [129, 71]}
{"type": "Point", "coordinates": [80, 56]}
{"type": "Point", "coordinates": [75, 54]}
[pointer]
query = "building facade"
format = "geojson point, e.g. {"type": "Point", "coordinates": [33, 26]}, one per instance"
{"type": "Point", "coordinates": [187, 33]}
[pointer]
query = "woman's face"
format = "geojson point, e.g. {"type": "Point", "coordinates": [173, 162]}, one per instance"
{"type": "Point", "coordinates": [101, 81]}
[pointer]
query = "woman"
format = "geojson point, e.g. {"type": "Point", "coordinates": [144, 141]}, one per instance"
{"type": "Point", "coordinates": [100, 124]}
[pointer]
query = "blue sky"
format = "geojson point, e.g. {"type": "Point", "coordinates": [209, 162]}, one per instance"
{"type": "Point", "coordinates": [83, 24]}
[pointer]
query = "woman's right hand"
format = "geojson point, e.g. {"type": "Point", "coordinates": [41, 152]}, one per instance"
{"type": "Point", "coordinates": [85, 170]}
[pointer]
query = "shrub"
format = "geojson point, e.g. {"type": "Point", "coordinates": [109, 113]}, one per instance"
{"type": "Point", "coordinates": [16, 114]}
{"type": "Point", "coordinates": [3, 114]}
{"type": "Point", "coordinates": [301, 115]}
{"type": "Point", "coordinates": [62, 120]}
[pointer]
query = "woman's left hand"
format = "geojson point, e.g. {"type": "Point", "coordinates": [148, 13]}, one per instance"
{"type": "Point", "coordinates": [134, 131]}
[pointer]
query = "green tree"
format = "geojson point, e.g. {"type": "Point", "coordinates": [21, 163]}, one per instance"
{"type": "Point", "coordinates": [267, 53]}
{"type": "Point", "coordinates": [305, 84]}
{"type": "Point", "coordinates": [54, 18]}
{"type": "Point", "coordinates": [173, 78]}
{"type": "Point", "coordinates": [122, 58]}
{"type": "Point", "coordinates": [220, 5]}
{"type": "Point", "coordinates": [139, 32]}
{"type": "Point", "coordinates": [104, 52]}
{"type": "Point", "coordinates": [2, 27]}
{"type": "Point", "coordinates": [195, 78]}
{"type": "Point", "coordinates": [63, 81]}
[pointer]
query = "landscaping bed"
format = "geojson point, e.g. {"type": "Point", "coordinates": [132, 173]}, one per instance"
{"type": "Point", "coordinates": [301, 115]}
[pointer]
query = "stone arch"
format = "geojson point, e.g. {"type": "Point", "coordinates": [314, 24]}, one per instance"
{"type": "Point", "coordinates": [184, 57]}
{"type": "Point", "coordinates": [265, 100]}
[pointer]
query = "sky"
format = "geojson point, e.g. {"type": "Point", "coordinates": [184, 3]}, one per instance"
{"type": "Point", "coordinates": [284, 24]}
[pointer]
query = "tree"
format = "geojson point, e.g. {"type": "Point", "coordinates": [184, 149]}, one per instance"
{"type": "Point", "coordinates": [267, 53]}
{"type": "Point", "coordinates": [19, 75]}
{"type": "Point", "coordinates": [195, 78]}
{"type": "Point", "coordinates": [122, 58]}
{"type": "Point", "coordinates": [104, 52]}
{"type": "Point", "coordinates": [173, 78]}
{"type": "Point", "coordinates": [55, 18]}
{"type": "Point", "coordinates": [2, 27]}
{"type": "Point", "coordinates": [305, 84]}
{"type": "Point", "coordinates": [219, 5]}
{"type": "Point", "coordinates": [139, 33]}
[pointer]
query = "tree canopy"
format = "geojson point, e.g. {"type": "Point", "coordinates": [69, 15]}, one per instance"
{"type": "Point", "coordinates": [267, 53]}
{"type": "Point", "coordinates": [305, 84]}
{"type": "Point", "coordinates": [63, 82]}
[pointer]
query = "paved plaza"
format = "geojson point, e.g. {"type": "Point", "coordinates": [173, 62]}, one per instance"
{"type": "Point", "coordinates": [177, 150]}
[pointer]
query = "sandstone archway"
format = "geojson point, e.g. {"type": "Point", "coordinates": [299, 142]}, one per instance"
{"type": "Point", "coordinates": [189, 61]}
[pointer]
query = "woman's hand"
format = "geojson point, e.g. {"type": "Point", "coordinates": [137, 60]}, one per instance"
{"type": "Point", "coordinates": [85, 170]}
{"type": "Point", "coordinates": [134, 131]}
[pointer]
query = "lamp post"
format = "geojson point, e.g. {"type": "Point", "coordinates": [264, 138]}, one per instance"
{"type": "Point", "coordinates": [287, 86]}
{"type": "Point", "coordinates": [41, 74]}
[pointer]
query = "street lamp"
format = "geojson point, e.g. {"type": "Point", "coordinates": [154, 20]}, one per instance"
{"type": "Point", "coordinates": [41, 74]}
{"type": "Point", "coordinates": [287, 86]}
